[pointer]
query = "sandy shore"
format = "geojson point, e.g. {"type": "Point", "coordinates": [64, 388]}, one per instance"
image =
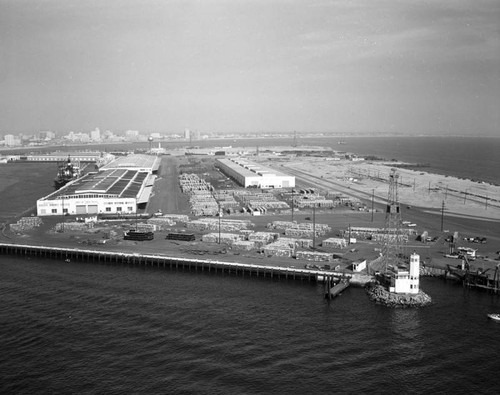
{"type": "Point", "coordinates": [422, 189]}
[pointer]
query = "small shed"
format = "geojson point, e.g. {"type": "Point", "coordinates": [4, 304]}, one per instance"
{"type": "Point", "coordinates": [359, 265]}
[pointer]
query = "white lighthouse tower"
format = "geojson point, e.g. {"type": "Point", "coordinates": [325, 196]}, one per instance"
{"type": "Point", "coordinates": [414, 273]}
{"type": "Point", "coordinates": [404, 280]}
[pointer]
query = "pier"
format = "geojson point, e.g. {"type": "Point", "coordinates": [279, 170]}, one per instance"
{"type": "Point", "coordinates": [337, 288]}
{"type": "Point", "coordinates": [166, 262]}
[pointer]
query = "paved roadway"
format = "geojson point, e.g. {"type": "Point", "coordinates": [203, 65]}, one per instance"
{"type": "Point", "coordinates": [167, 196]}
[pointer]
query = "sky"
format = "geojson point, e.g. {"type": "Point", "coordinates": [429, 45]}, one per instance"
{"type": "Point", "coordinates": [397, 66]}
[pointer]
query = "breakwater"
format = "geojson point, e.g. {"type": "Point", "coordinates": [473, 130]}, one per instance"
{"type": "Point", "coordinates": [175, 263]}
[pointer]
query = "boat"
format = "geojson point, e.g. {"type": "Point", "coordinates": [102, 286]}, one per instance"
{"type": "Point", "coordinates": [494, 317]}
{"type": "Point", "coordinates": [138, 236]}
{"type": "Point", "coordinates": [68, 171]}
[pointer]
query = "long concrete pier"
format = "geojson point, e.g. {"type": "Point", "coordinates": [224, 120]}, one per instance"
{"type": "Point", "coordinates": [162, 261]}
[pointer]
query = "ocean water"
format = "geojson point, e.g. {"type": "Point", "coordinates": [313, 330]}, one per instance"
{"type": "Point", "coordinates": [474, 158]}
{"type": "Point", "coordinates": [22, 184]}
{"type": "Point", "coordinates": [90, 328]}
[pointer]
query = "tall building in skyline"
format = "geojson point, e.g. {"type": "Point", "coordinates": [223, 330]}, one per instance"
{"type": "Point", "coordinates": [95, 135]}
{"type": "Point", "coordinates": [11, 140]}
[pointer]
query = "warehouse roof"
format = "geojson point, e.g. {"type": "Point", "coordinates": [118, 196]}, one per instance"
{"type": "Point", "coordinates": [110, 183]}
{"type": "Point", "coordinates": [135, 162]}
{"type": "Point", "coordinates": [251, 169]}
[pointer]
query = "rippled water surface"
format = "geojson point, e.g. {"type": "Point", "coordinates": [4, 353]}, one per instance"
{"type": "Point", "coordinates": [89, 328]}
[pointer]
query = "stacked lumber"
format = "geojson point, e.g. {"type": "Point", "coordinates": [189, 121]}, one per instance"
{"type": "Point", "coordinates": [25, 223]}
{"type": "Point", "coordinates": [225, 238]}
{"type": "Point", "coordinates": [243, 245]}
{"type": "Point", "coordinates": [314, 256]}
{"type": "Point", "coordinates": [334, 242]}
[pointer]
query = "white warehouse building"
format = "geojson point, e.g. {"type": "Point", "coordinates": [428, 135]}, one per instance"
{"type": "Point", "coordinates": [117, 189]}
{"type": "Point", "coordinates": [249, 174]}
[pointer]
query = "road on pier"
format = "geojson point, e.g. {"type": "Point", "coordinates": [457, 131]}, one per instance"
{"type": "Point", "coordinates": [167, 196]}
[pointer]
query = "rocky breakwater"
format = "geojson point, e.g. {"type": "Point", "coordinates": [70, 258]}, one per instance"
{"type": "Point", "coordinates": [378, 294]}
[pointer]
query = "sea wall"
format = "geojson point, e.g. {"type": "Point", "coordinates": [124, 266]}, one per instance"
{"type": "Point", "coordinates": [378, 294]}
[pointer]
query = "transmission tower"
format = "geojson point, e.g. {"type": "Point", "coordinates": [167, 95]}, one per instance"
{"type": "Point", "coordinates": [392, 250]}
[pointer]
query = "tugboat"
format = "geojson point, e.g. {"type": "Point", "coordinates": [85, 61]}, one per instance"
{"type": "Point", "coordinates": [68, 171]}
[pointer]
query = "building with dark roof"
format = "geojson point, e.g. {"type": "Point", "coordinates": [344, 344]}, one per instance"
{"type": "Point", "coordinates": [118, 189]}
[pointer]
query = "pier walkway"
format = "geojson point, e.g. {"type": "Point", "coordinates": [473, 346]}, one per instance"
{"type": "Point", "coordinates": [162, 261]}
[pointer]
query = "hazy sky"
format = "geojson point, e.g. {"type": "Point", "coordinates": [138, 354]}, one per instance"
{"type": "Point", "coordinates": [406, 66]}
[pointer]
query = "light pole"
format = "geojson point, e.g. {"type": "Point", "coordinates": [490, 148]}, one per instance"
{"type": "Point", "coordinates": [293, 203]}
{"type": "Point", "coordinates": [62, 204]}
{"type": "Point", "coordinates": [373, 196]}
{"type": "Point", "coordinates": [442, 216]}
{"type": "Point", "coordinates": [314, 226]}
{"type": "Point", "coordinates": [220, 215]}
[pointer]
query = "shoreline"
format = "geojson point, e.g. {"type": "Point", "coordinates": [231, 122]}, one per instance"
{"type": "Point", "coordinates": [323, 175]}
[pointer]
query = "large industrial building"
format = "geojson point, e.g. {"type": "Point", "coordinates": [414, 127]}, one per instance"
{"type": "Point", "coordinates": [121, 187]}
{"type": "Point", "coordinates": [249, 174]}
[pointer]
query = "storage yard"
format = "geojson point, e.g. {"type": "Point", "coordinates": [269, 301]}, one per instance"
{"type": "Point", "coordinates": [196, 210]}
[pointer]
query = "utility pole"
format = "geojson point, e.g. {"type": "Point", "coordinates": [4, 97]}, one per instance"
{"type": "Point", "coordinates": [314, 226]}
{"type": "Point", "coordinates": [442, 216]}
{"type": "Point", "coordinates": [373, 196]}
{"type": "Point", "coordinates": [220, 215]}
{"type": "Point", "coordinates": [62, 204]}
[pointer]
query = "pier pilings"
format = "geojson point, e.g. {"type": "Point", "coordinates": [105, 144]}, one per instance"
{"type": "Point", "coordinates": [154, 261]}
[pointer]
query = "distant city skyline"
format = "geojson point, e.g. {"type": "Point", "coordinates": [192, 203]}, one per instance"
{"type": "Point", "coordinates": [248, 66]}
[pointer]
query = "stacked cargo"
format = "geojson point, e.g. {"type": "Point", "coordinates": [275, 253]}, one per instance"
{"type": "Point", "coordinates": [281, 224]}
{"type": "Point", "coordinates": [307, 230]}
{"type": "Point", "coordinates": [261, 201]}
{"type": "Point", "coordinates": [225, 238]}
{"type": "Point", "coordinates": [203, 203]}
{"type": "Point", "coordinates": [143, 227]}
{"type": "Point", "coordinates": [191, 182]}
{"type": "Point", "coordinates": [334, 242]}
{"type": "Point", "coordinates": [181, 236]}
{"type": "Point", "coordinates": [176, 217]}
{"type": "Point", "coordinates": [314, 256]}
{"type": "Point", "coordinates": [26, 223]}
{"type": "Point", "coordinates": [226, 199]}
{"type": "Point", "coordinates": [262, 238]}
{"type": "Point", "coordinates": [304, 243]}
{"type": "Point", "coordinates": [246, 233]}
{"type": "Point", "coordinates": [243, 245]}
{"type": "Point", "coordinates": [301, 243]}
{"type": "Point", "coordinates": [313, 201]}
{"type": "Point", "coordinates": [161, 223]}
{"type": "Point", "coordinates": [382, 238]}
{"type": "Point", "coordinates": [73, 226]}
{"type": "Point", "coordinates": [227, 225]}
{"type": "Point", "coordinates": [376, 234]}
{"type": "Point", "coordinates": [280, 248]}
{"type": "Point", "coordinates": [201, 199]}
